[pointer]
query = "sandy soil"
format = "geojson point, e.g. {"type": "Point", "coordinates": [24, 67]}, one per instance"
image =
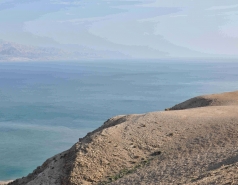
{"type": "Point", "coordinates": [195, 142]}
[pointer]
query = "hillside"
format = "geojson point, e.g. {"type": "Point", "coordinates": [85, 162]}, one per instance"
{"type": "Point", "coordinates": [194, 142]}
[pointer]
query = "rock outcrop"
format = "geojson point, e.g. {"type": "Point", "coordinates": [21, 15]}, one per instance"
{"type": "Point", "coordinates": [196, 143]}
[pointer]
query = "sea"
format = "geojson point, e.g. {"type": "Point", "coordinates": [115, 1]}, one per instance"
{"type": "Point", "coordinates": [45, 107]}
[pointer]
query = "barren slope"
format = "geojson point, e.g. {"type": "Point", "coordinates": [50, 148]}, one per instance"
{"type": "Point", "coordinates": [228, 98]}
{"type": "Point", "coordinates": [4, 182]}
{"type": "Point", "coordinates": [169, 147]}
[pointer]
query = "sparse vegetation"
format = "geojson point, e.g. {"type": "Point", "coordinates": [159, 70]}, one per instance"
{"type": "Point", "coordinates": [124, 172]}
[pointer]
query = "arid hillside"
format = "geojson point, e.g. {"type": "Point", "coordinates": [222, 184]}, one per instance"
{"type": "Point", "coordinates": [195, 142]}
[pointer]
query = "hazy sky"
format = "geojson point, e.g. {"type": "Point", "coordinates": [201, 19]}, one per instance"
{"type": "Point", "coordinates": [133, 28]}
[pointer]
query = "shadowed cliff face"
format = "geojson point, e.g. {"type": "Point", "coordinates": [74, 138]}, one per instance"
{"type": "Point", "coordinates": [169, 147]}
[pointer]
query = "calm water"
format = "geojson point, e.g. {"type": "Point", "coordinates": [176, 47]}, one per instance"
{"type": "Point", "coordinates": [46, 107]}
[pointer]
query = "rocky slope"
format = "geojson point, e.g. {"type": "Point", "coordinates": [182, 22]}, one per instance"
{"type": "Point", "coordinates": [223, 99]}
{"type": "Point", "coordinates": [196, 145]}
{"type": "Point", "coordinates": [4, 182]}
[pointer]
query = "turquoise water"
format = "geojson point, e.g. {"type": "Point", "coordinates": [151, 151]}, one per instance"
{"type": "Point", "coordinates": [46, 107]}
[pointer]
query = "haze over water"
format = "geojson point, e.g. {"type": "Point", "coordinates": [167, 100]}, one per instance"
{"type": "Point", "coordinates": [46, 107]}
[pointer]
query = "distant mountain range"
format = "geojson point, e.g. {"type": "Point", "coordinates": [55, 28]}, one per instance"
{"type": "Point", "coordinates": [16, 52]}
{"type": "Point", "coordinates": [10, 51]}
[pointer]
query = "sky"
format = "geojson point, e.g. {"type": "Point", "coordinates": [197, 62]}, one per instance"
{"type": "Point", "coordinates": [125, 28]}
